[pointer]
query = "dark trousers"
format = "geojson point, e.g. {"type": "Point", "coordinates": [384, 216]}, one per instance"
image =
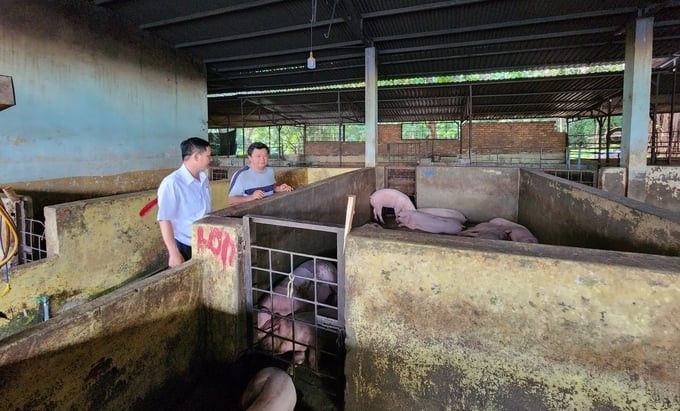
{"type": "Point", "coordinates": [184, 249]}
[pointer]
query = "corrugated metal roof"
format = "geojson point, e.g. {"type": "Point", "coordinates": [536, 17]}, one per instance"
{"type": "Point", "coordinates": [256, 45]}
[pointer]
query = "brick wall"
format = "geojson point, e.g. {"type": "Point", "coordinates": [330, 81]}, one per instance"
{"type": "Point", "coordinates": [501, 137]}
{"type": "Point", "coordinates": [514, 137]}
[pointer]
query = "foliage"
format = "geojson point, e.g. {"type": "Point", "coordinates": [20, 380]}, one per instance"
{"type": "Point", "coordinates": [430, 130]}
{"type": "Point", "coordinates": [586, 130]}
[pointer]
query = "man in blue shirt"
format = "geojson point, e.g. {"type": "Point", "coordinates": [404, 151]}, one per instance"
{"type": "Point", "coordinates": [184, 197]}
{"type": "Point", "coordinates": [256, 180]}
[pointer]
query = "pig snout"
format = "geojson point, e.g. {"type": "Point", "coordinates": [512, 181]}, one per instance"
{"type": "Point", "coordinates": [389, 197]}
{"type": "Point", "coordinates": [292, 335]}
{"type": "Point", "coordinates": [429, 223]}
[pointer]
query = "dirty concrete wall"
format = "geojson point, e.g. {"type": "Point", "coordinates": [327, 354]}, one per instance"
{"type": "Point", "coordinates": [93, 247]}
{"type": "Point", "coordinates": [662, 185]}
{"type": "Point", "coordinates": [322, 202]}
{"type": "Point", "coordinates": [561, 212]}
{"type": "Point", "coordinates": [217, 243]}
{"type": "Point", "coordinates": [63, 190]}
{"type": "Point", "coordinates": [115, 352]}
{"type": "Point", "coordinates": [481, 193]}
{"type": "Point", "coordinates": [440, 322]}
{"type": "Point", "coordinates": [94, 97]}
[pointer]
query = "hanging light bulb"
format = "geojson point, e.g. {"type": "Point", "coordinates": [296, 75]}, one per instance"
{"type": "Point", "coordinates": [311, 61]}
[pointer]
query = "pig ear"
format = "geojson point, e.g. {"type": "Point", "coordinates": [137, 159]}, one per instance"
{"type": "Point", "coordinates": [267, 325]}
{"type": "Point", "coordinates": [276, 324]}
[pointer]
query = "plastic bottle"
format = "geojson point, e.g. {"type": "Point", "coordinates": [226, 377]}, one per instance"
{"type": "Point", "coordinates": [45, 307]}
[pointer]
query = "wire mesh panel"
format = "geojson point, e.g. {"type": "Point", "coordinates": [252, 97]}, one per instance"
{"type": "Point", "coordinates": [294, 279]}
{"type": "Point", "coordinates": [33, 247]}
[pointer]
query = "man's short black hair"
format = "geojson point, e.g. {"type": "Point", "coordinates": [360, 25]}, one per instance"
{"type": "Point", "coordinates": [192, 145]}
{"type": "Point", "coordinates": [257, 145]}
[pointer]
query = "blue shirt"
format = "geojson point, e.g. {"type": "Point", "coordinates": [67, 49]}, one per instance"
{"type": "Point", "coordinates": [246, 181]}
{"type": "Point", "coordinates": [182, 200]}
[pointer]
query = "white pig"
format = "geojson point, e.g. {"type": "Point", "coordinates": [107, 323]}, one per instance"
{"type": "Point", "coordinates": [417, 220]}
{"type": "Point", "coordinates": [518, 232]}
{"type": "Point", "coordinates": [303, 287]}
{"type": "Point", "coordinates": [487, 231]}
{"type": "Point", "coordinates": [270, 389]}
{"type": "Point", "coordinates": [297, 335]}
{"type": "Point", "coordinates": [445, 212]}
{"type": "Point", "coordinates": [388, 197]}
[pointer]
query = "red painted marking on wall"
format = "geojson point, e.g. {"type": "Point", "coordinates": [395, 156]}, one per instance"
{"type": "Point", "coordinates": [148, 207]}
{"type": "Point", "coordinates": [219, 243]}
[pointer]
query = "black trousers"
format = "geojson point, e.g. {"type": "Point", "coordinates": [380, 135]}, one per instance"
{"type": "Point", "coordinates": [184, 249]}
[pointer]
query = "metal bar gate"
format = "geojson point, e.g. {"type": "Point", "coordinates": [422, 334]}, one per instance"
{"type": "Point", "coordinates": [294, 281]}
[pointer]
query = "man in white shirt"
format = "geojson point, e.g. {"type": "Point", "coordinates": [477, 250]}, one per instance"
{"type": "Point", "coordinates": [184, 197]}
{"type": "Point", "coordinates": [256, 180]}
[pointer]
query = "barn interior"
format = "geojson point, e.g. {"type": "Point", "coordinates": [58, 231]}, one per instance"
{"type": "Point", "coordinates": [584, 320]}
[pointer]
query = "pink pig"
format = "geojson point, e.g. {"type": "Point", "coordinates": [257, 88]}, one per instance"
{"type": "Point", "coordinates": [303, 287]}
{"type": "Point", "coordinates": [298, 336]}
{"type": "Point", "coordinates": [270, 389]}
{"type": "Point", "coordinates": [388, 197]}
{"type": "Point", "coordinates": [445, 212]}
{"type": "Point", "coordinates": [417, 220]}
{"type": "Point", "coordinates": [487, 231]}
{"type": "Point", "coordinates": [518, 232]}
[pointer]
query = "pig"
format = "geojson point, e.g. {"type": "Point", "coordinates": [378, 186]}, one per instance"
{"type": "Point", "coordinates": [487, 231]}
{"type": "Point", "coordinates": [278, 301]}
{"type": "Point", "coordinates": [417, 220]}
{"type": "Point", "coordinates": [388, 197]}
{"type": "Point", "coordinates": [270, 389]}
{"type": "Point", "coordinates": [296, 334]}
{"type": "Point", "coordinates": [517, 231]}
{"type": "Point", "coordinates": [445, 212]}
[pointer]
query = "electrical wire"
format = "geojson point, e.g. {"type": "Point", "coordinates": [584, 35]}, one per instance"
{"type": "Point", "coordinates": [11, 246]}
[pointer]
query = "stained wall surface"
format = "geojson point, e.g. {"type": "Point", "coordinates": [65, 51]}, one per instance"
{"type": "Point", "coordinates": [565, 213]}
{"type": "Point", "coordinates": [113, 352]}
{"type": "Point", "coordinates": [440, 322]}
{"type": "Point", "coordinates": [481, 193]}
{"type": "Point", "coordinates": [94, 97]}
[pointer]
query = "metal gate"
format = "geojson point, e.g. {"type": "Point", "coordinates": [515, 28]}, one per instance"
{"type": "Point", "coordinates": [294, 280]}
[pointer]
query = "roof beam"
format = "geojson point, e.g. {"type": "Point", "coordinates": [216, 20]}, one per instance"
{"type": "Point", "coordinates": [208, 13]}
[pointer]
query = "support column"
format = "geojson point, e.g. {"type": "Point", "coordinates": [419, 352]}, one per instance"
{"type": "Point", "coordinates": [637, 79]}
{"type": "Point", "coordinates": [371, 113]}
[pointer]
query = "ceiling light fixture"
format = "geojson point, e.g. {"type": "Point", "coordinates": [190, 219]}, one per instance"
{"type": "Point", "coordinates": [311, 61]}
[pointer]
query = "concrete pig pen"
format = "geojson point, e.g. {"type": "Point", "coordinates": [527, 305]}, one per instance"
{"type": "Point", "coordinates": [433, 321]}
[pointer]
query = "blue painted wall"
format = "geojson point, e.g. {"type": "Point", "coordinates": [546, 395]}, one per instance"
{"type": "Point", "coordinates": [94, 97]}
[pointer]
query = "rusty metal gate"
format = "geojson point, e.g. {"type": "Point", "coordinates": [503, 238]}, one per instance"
{"type": "Point", "coordinates": [294, 281]}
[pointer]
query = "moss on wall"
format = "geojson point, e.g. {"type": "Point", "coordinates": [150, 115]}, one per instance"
{"type": "Point", "coordinates": [443, 322]}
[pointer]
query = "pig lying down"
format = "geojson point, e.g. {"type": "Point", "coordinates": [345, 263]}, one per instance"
{"type": "Point", "coordinates": [500, 229]}
{"type": "Point", "coordinates": [270, 389]}
{"type": "Point", "coordinates": [388, 197]}
{"type": "Point", "coordinates": [445, 212]}
{"type": "Point", "coordinates": [419, 220]}
{"type": "Point", "coordinates": [317, 288]}
{"type": "Point", "coordinates": [486, 231]}
{"type": "Point", "coordinates": [517, 232]}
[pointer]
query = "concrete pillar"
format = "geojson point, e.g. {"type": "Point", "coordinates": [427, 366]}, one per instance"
{"type": "Point", "coordinates": [371, 121]}
{"type": "Point", "coordinates": [637, 79]}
